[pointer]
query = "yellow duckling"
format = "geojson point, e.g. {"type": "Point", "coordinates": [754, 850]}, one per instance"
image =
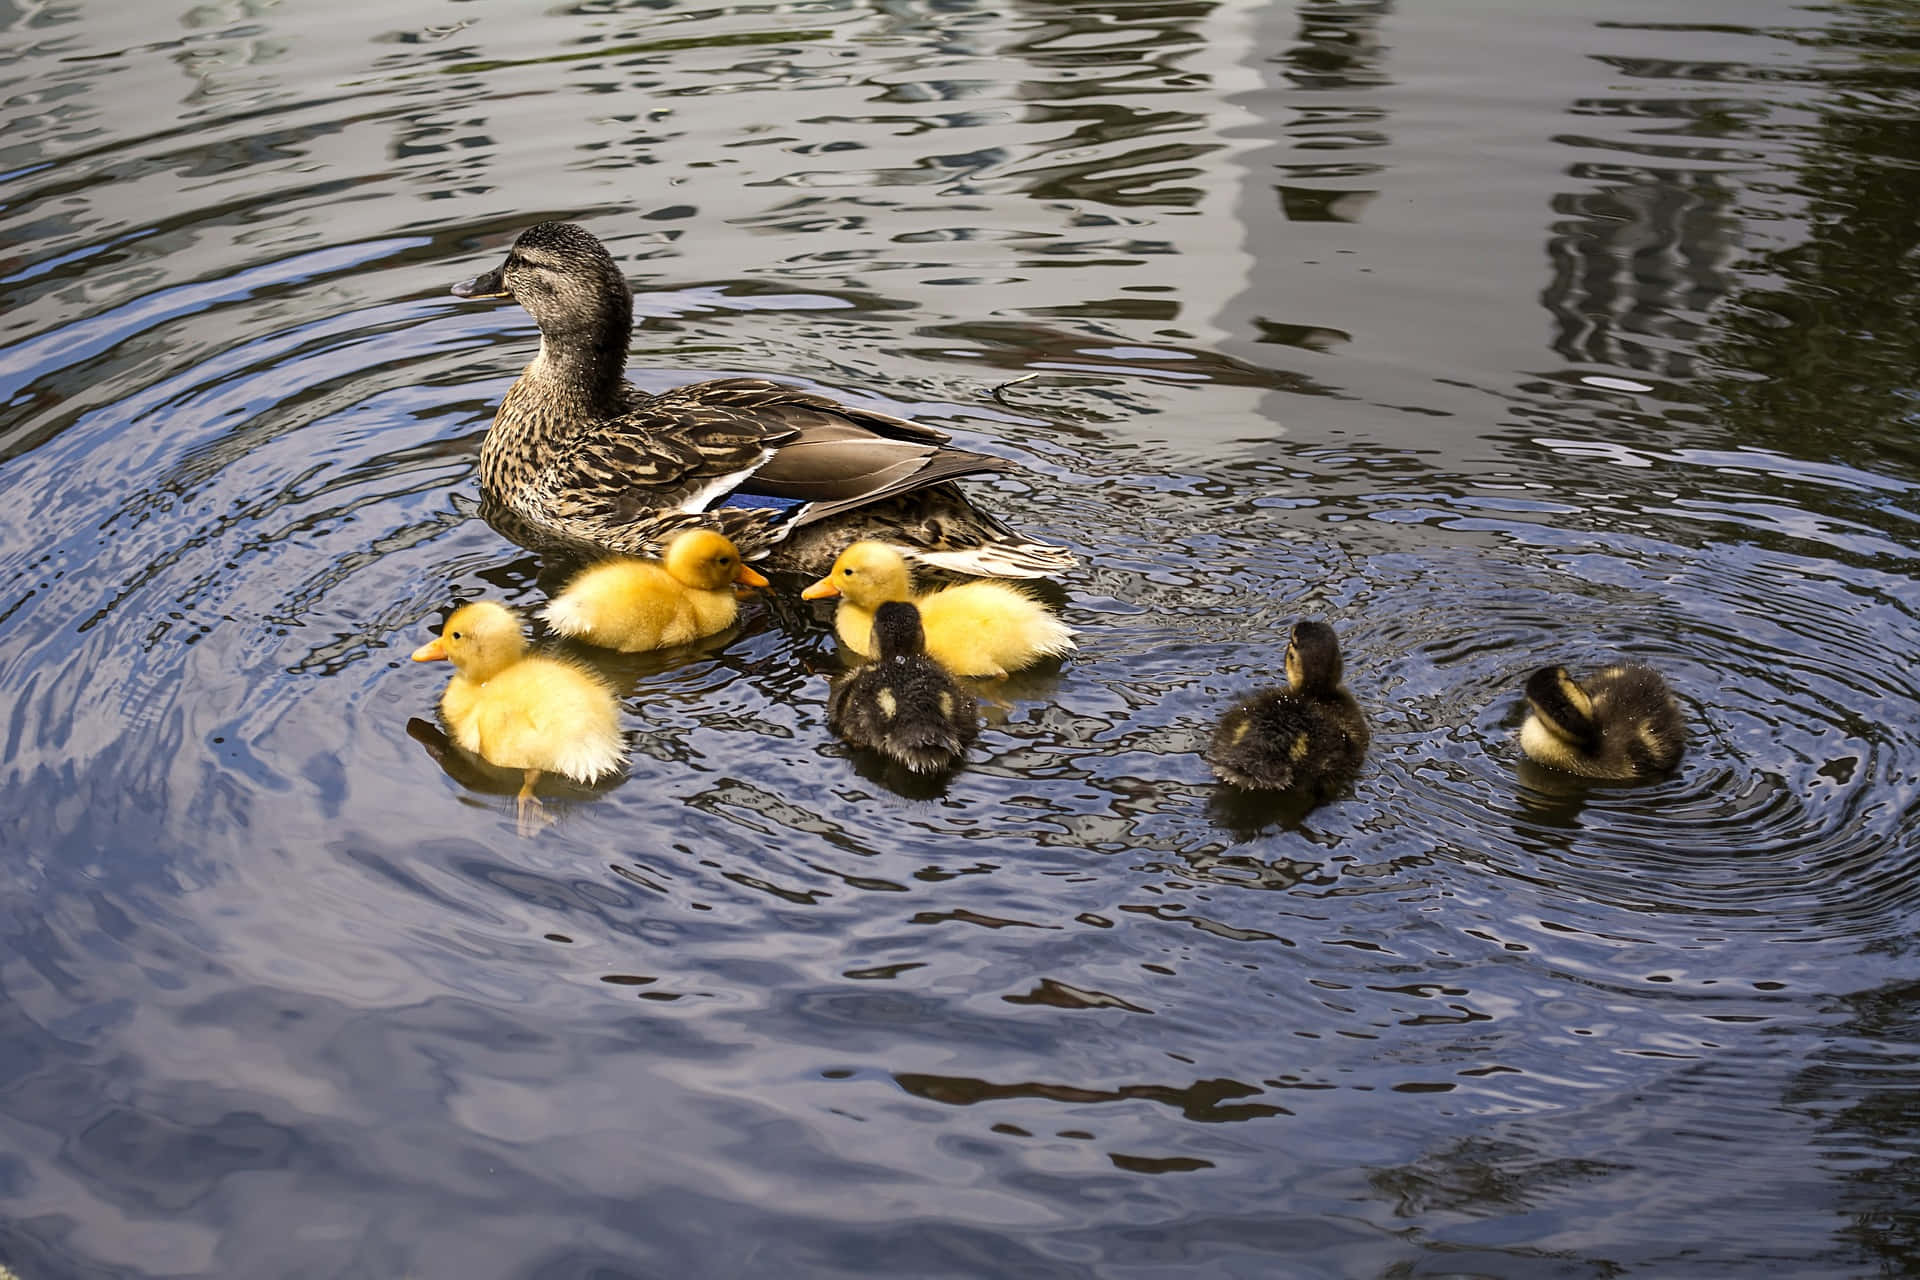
{"type": "Point", "coordinates": [1309, 737]}
{"type": "Point", "coordinates": [1620, 725]}
{"type": "Point", "coordinates": [982, 628]}
{"type": "Point", "coordinates": [631, 605]}
{"type": "Point", "coordinates": [520, 710]}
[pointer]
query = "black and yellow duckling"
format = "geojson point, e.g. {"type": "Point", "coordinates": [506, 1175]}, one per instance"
{"type": "Point", "coordinates": [1309, 737]}
{"type": "Point", "coordinates": [579, 455]}
{"type": "Point", "coordinates": [1618, 725]}
{"type": "Point", "coordinates": [904, 704]}
{"type": "Point", "coordinates": [520, 710]}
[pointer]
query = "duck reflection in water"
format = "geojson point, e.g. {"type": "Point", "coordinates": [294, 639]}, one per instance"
{"type": "Point", "coordinates": [475, 775]}
{"type": "Point", "coordinates": [1246, 815]}
{"type": "Point", "coordinates": [519, 710]}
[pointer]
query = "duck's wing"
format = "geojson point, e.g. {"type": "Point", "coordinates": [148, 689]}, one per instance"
{"type": "Point", "coordinates": [757, 395]}
{"type": "Point", "coordinates": [832, 456]}
{"type": "Point", "coordinates": [629, 483]}
{"type": "Point", "coordinates": [666, 453]}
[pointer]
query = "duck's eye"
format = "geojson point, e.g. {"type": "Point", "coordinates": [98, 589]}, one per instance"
{"type": "Point", "coordinates": [846, 573]}
{"type": "Point", "coordinates": [456, 635]}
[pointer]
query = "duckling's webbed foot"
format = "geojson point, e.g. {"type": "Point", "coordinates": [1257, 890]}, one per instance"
{"type": "Point", "coordinates": [531, 817]}
{"type": "Point", "coordinates": [991, 691]}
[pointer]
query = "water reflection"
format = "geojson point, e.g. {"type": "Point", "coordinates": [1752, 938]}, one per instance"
{"type": "Point", "coordinates": [1859, 1088]}
{"type": "Point", "coordinates": [1340, 308]}
{"type": "Point", "coordinates": [476, 774]}
{"type": "Point", "coordinates": [1810, 352]}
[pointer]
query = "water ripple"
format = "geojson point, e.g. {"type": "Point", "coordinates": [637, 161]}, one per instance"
{"type": "Point", "coordinates": [271, 948]}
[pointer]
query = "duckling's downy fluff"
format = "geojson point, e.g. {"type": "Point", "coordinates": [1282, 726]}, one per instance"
{"type": "Point", "coordinates": [520, 710]}
{"type": "Point", "coordinates": [1619, 725]}
{"type": "Point", "coordinates": [632, 605]}
{"type": "Point", "coordinates": [579, 455]}
{"type": "Point", "coordinates": [904, 705]}
{"type": "Point", "coordinates": [1308, 737]}
{"type": "Point", "coordinates": [972, 629]}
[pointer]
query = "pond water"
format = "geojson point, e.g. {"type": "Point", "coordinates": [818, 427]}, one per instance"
{"type": "Point", "coordinates": [1495, 333]}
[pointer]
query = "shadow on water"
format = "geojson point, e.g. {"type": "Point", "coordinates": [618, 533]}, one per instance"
{"type": "Point", "coordinates": [890, 774]}
{"type": "Point", "coordinates": [1494, 336]}
{"type": "Point", "coordinates": [1245, 814]}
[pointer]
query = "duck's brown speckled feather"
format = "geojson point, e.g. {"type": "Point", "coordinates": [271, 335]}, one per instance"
{"type": "Point", "coordinates": [578, 456]}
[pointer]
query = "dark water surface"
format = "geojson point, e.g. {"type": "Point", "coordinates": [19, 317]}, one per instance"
{"type": "Point", "coordinates": [1496, 333]}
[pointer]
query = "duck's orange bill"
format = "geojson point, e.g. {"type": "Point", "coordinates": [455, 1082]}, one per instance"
{"type": "Point", "coordinates": [821, 590]}
{"type": "Point", "coordinates": [434, 650]}
{"type": "Point", "coordinates": [748, 576]}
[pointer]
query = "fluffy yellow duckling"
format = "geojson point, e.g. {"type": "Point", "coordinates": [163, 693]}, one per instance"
{"type": "Point", "coordinates": [520, 710]}
{"type": "Point", "coordinates": [983, 628]}
{"type": "Point", "coordinates": [1620, 725]}
{"type": "Point", "coordinates": [1309, 737]}
{"type": "Point", "coordinates": [631, 605]}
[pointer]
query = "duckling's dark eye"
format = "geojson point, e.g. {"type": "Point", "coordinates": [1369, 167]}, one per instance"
{"type": "Point", "coordinates": [846, 573]}
{"type": "Point", "coordinates": [456, 635]}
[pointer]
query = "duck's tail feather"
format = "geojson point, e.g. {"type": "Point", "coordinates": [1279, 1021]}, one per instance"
{"type": "Point", "coordinates": [996, 559]}
{"type": "Point", "coordinates": [903, 476]}
{"type": "Point", "coordinates": [564, 616]}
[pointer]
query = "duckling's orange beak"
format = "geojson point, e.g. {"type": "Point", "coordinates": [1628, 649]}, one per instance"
{"type": "Point", "coordinates": [821, 590]}
{"type": "Point", "coordinates": [434, 650]}
{"type": "Point", "coordinates": [746, 576]}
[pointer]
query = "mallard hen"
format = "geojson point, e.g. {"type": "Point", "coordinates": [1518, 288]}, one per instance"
{"type": "Point", "coordinates": [578, 455]}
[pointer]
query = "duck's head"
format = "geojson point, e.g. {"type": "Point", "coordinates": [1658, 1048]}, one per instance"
{"type": "Point", "coordinates": [896, 631]}
{"type": "Point", "coordinates": [1313, 658]}
{"type": "Point", "coordinates": [708, 561]}
{"type": "Point", "coordinates": [868, 574]}
{"type": "Point", "coordinates": [570, 284]}
{"type": "Point", "coordinates": [1563, 706]}
{"type": "Point", "coordinates": [479, 639]}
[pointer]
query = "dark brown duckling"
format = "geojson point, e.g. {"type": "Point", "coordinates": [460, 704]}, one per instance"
{"type": "Point", "coordinates": [904, 704]}
{"type": "Point", "coordinates": [1309, 737]}
{"type": "Point", "coordinates": [1618, 725]}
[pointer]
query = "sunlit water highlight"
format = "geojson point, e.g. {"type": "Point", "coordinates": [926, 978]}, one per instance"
{"type": "Point", "coordinates": [1494, 337]}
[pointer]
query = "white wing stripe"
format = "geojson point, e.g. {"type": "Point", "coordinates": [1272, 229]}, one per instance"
{"type": "Point", "coordinates": [703, 497]}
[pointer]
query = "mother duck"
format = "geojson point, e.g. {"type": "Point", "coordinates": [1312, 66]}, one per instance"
{"type": "Point", "coordinates": [579, 456]}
